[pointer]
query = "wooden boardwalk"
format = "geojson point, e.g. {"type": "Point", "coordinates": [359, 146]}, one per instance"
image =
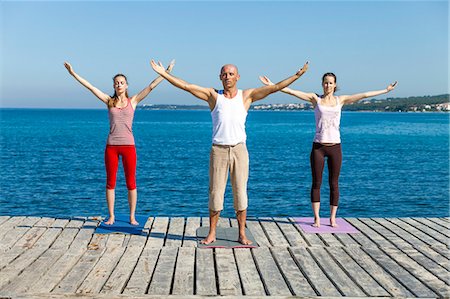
{"type": "Point", "coordinates": [64, 258]}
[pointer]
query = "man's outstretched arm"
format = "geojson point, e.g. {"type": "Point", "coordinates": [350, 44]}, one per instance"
{"type": "Point", "coordinates": [256, 94]}
{"type": "Point", "coordinates": [206, 94]}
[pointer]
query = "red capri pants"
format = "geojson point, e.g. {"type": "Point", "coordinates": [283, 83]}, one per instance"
{"type": "Point", "coordinates": [128, 153]}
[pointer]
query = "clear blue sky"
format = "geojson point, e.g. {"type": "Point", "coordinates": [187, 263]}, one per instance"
{"type": "Point", "coordinates": [367, 44]}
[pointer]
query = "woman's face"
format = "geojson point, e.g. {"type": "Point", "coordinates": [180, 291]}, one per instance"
{"type": "Point", "coordinates": [329, 84]}
{"type": "Point", "coordinates": [120, 84]}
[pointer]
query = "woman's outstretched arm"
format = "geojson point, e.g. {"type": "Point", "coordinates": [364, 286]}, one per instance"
{"type": "Point", "coordinates": [97, 92]}
{"type": "Point", "coordinates": [348, 99]}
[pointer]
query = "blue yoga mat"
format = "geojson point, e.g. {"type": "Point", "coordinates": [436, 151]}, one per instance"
{"type": "Point", "coordinates": [122, 225]}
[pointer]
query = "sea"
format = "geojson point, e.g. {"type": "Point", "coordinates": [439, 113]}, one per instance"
{"type": "Point", "coordinates": [52, 164]}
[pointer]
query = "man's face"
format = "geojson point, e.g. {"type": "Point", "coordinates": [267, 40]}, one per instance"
{"type": "Point", "coordinates": [229, 76]}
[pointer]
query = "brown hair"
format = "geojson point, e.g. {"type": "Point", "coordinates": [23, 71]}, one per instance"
{"type": "Point", "coordinates": [113, 99]}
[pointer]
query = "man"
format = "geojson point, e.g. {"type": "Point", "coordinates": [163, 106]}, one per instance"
{"type": "Point", "coordinates": [228, 153]}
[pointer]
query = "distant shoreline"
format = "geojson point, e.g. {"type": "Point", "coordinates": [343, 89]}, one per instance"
{"type": "Point", "coordinates": [439, 103]}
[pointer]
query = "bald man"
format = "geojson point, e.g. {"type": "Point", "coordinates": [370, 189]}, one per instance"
{"type": "Point", "coordinates": [228, 153]}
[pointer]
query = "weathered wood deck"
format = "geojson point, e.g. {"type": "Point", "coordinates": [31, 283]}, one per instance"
{"type": "Point", "coordinates": [63, 258]}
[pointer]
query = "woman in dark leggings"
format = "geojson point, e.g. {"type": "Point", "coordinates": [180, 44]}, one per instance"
{"type": "Point", "coordinates": [327, 140]}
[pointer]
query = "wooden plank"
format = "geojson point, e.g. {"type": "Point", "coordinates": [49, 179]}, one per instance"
{"type": "Point", "coordinates": [361, 238]}
{"type": "Point", "coordinates": [227, 273]}
{"type": "Point", "coordinates": [298, 283]}
{"type": "Point", "coordinates": [401, 232]}
{"type": "Point", "coordinates": [9, 225]}
{"type": "Point", "coordinates": [25, 279]}
{"type": "Point", "coordinates": [436, 257]}
{"type": "Point", "coordinates": [223, 222]}
{"type": "Point", "coordinates": [273, 280]}
{"type": "Point", "coordinates": [183, 283]}
{"type": "Point", "coordinates": [205, 272]}
{"type": "Point", "coordinates": [311, 239]}
{"type": "Point", "coordinates": [205, 221]}
{"type": "Point", "coordinates": [430, 228]}
{"type": "Point", "coordinates": [335, 273]}
{"type": "Point", "coordinates": [347, 240]}
{"type": "Point", "coordinates": [100, 273]}
{"type": "Point", "coordinates": [63, 265]}
{"type": "Point", "coordinates": [4, 218]}
{"type": "Point", "coordinates": [370, 233]}
{"type": "Point", "coordinates": [421, 273]}
{"type": "Point", "coordinates": [190, 236]}
{"type": "Point", "coordinates": [408, 225]}
{"type": "Point", "coordinates": [95, 249]}
{"type": "Point", "coordinates": [162, 277]}
{"type": "Point", "coordinates": [30, 221]}
{"type": "Point", "coordinates": [10, 238]}
{"type": "Point", "coordinates": [406, 279]}
{"type": "Point", "coordinates": [257, 232]}
{"type": "Point", "coordinates": [148, 225]}
{"type": "Point", "coordinates": [158, 232]}
{"type": "Point", "coordinates": [357, 273]}
{"type": "Point", "coordinates": [330, 239]}
{"type": "Point", "coordinates": [274, 234]}
{"type": "Point", "coordinates": [76, 222]}
{"type": "Point", "coordinates": [386, 233]}
{"type": "Point", "coordinates": [318, 280]}
{"type": "Point", "coordinates": [248, 273]}
{"type": "Point", "coordinates": [175, 233]}
{"type": "Point", "coordinates": [60, 223]}
{"type": "Point", "coordinates": [439, 270]}
{"type": "Point", "coordinates": [14, 268]}
{"type": "Point", "coordinates": [389, 283]}
{"type": "Point", "coordinates": [122, 272]}
{"type": "Point", "coordinates": [45, 222]}
{"type": "Point", "coordinates": [442, 251]}
{"type": "Point", "coordinates": [445, 225]}
{"type": "Point", "coordinates": [142, 274]}
{"type": "Point", "coordinates": [290, 232]}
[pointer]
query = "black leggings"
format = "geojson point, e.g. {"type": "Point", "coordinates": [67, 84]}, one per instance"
{"type": "Point", "coordinates": [334, 161]}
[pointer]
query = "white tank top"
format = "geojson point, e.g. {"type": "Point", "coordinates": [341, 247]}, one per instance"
{"type": "Point", "coordinates": [228, 118]}
{"type": "Point", "coordinates": [328, 120]}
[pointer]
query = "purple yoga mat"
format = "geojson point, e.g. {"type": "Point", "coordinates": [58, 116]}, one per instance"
{"type": "Point", "coordinates": [344, 227]}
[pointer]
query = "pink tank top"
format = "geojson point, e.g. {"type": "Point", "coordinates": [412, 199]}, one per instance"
{"type": "Point", "coordinates": [120, 125]}
{"type": "Point", "coordinates": [328, 120]}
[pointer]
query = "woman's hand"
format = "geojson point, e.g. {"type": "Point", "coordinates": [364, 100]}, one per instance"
{"type": "Point", "coordinates": [392, 86]}
{"type": "Point", "coordinates": [68, 67]}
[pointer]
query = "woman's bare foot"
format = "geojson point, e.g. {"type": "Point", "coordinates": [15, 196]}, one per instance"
{"type": "Point", "coordinates": [134, 222]}
{"type": "Point", "coordinates": [316, 223]}
{"type": "Point", "coordinates": [110, 220]}
{"type": "Point", "coordinates": [208, 240]}
{"type": "Point", "coordinates": [333, 223]}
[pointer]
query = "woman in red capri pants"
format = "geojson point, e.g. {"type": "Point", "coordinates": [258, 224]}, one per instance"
{"type": "Point", "coordinates": [120, 141]}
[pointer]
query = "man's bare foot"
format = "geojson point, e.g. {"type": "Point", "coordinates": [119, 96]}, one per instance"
{"type": "Point", "coordinates": [208, 240]}
{"type": "Point", "coordinates": [110, 221]}
{"type": "Point", "coordinates": [244, 241]}
{"type": "Point", "coordinates": [134, 222]}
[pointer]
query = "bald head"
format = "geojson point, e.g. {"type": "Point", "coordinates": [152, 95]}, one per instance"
{"type": "Point", "coordinates": [229, 67]}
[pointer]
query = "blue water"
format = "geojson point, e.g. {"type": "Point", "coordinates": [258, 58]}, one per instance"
{"type": "Point", "coordinates": [394, 164]}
